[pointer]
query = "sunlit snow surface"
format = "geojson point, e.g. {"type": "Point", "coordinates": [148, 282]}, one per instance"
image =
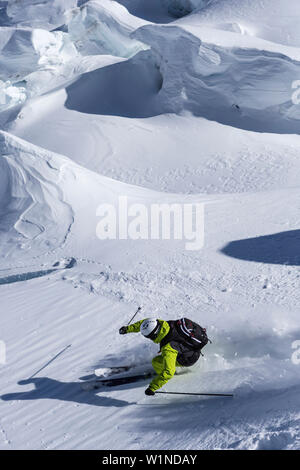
{"type": "Point", "coordinates": [183, 101]}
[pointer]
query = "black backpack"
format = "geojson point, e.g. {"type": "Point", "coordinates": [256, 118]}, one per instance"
{"type": "Point", "coordinates": [193, 334]}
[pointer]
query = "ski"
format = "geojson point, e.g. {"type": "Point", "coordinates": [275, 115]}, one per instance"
{"type": "Point", "coordinates": [115, 381]}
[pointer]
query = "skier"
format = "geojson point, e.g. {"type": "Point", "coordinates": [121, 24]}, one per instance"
{"type": "Point", "coordinates": [180, 342]}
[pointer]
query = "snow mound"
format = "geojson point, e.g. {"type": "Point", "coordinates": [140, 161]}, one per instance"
{"type": "Point", "coordinates": [46, 14]}
{"type": "Point", "coordinates": [32, 207]}
{"type": "Point", "coordinates": [249, 88]}
{"type": "Point", "coordinates": [24, 50]}
{"type": "Point", "coordinates": [104, 28]}
{"type": "Point", "coordinates": [31, 61]}
{"type": "Point", "coordinates": [34, 61]}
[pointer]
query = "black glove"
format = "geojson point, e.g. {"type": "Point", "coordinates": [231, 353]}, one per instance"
{"type": "Point", "coordinates": [123, 330]}
{"type": "Point", "coordinates": [149, 392]}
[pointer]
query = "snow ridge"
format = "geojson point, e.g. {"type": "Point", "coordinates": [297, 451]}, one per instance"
{"type": "Point", "coordinates": [32, 202]}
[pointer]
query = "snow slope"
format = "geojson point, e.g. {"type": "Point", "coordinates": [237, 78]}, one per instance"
{"type": "Point", "coordinates": [190, 110]}
{"type": "Point", "coordinates": [274, 20]}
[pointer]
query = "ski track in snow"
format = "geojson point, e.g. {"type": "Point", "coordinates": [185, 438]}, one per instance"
{"type": "Point", "coordinates": [190, 101]}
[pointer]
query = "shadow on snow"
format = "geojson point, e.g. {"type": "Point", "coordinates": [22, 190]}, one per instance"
{"type": "Point", "coordinates": [46, 388]}
{"type": "Point", "coordinates": [279, 248]}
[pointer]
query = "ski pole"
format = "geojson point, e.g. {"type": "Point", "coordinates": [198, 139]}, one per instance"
{"type": "Point", "coordinates": [51, 360]}
{"type": "Point", "coordinates": [200, 394]}
{"type": "Point", "coordinates": [134, 316]}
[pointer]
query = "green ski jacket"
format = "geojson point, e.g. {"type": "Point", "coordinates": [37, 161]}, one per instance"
{"type": "Point", "coordinates": [164, 365]}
